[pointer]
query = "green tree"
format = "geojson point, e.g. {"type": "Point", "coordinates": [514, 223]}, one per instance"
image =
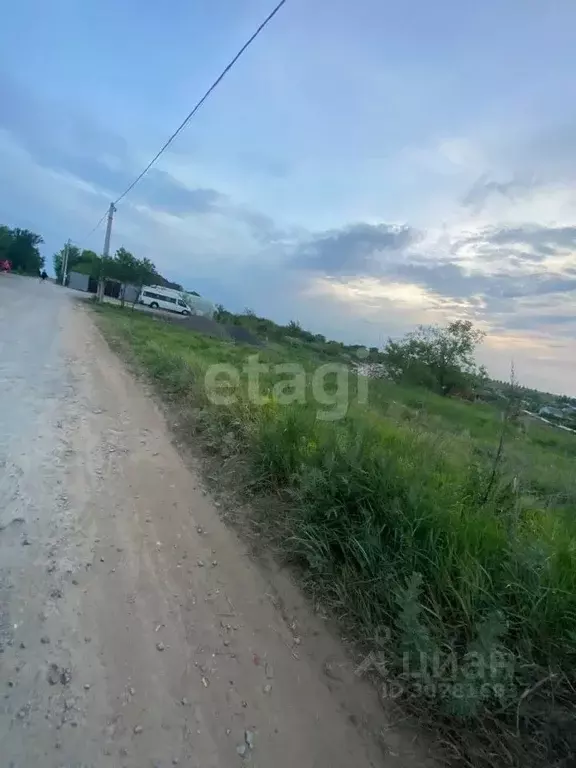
{"type": "Point", "coordinates": [373, 354]}
{"type": "Point", "coordinates": [84, 261]}
{"type": "Point", "coordinates": [74, 256]}
{"type": "Point", "coordinates": [89, 263]}
{"type": "Point", "coordinates": [438, 358]}
{"type": "Point", "coordinates": [128, 269]}
{"type": "Point", "coordinates": [147, 273]}
{"type": "Point", "coordinates": [5, 242]}
{"type": "Point", "coordinates": [20, 247]}
{"type": "Point", "coordinates": [169, 284]}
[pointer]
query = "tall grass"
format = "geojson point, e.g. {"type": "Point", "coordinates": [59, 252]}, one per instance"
{"type": "Point", "coordinates": [404, 522]}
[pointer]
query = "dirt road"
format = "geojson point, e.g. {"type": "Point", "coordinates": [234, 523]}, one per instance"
{"type": "Point", "coordinates": [135, 631]}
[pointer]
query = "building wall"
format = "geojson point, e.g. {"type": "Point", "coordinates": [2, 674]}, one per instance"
{"type": "Point", "coordinates": [78, 282]}
{"type": "Point", "coordinates": [131, 293]}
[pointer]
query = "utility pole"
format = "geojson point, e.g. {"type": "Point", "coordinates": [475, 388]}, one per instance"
{"type": "Point", "coordinates": [65, 264]}
{"type": "Point", "coordinates": [106, 252]}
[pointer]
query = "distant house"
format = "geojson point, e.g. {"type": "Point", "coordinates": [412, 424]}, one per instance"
{"type": "Point", "coordinates": [550, 411]}
{"type": "Point", "coordinates": [112, 288]}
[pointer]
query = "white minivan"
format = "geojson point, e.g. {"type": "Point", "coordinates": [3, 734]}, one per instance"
{"type": "Point", "coordinates": [156, 297]}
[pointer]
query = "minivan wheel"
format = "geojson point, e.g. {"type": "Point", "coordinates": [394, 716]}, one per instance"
{"type": "Point", "coordinates": [154, 305]}
{"type": "Point", "coordinates": [185, 312]}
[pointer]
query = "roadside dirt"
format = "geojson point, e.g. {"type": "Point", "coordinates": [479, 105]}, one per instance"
{"type": "Point", "coordinates": [139, 631]}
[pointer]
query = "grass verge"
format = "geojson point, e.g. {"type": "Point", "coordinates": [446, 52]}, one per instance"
{"type": "Point", "coordinates": [456, 570]}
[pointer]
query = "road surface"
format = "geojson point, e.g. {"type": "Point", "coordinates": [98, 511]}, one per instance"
{"type": "Point", "coordinates": [135, 630]}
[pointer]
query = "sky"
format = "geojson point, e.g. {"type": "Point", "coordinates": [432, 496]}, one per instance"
{"type": "Point", "coordinates": [366, 167]}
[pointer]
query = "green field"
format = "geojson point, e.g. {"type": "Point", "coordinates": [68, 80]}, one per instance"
{"type": "Point", "coordinates": [453, 560]}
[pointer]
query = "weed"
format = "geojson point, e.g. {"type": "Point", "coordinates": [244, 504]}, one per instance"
{"type": "Point", "coordinates": [423, 518]}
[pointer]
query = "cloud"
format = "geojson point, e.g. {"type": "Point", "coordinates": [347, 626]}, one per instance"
{"type": "Point", "coordinates": [549, 151]}
{"type": "Point", "coordinates": [493, 263]}
{"type": "Point", "coordinates": [353, 250]}
{"type": "Point", "coordinates": [450, 279]}
{"type": "Point", "coordinates": [63, 139]}
{"type": "Point", "coordinates": [502, 256]}
{"type": "Point", "coordinates": [545, 241]}
{"type": "Point", "coordinates": [485, 189]}
{"type": "Point", "coordinates": [526, 322]}
{"type": "Point", "coordinates": [160, 190]}
{"type": "Point", "coordinates": [516, 282]}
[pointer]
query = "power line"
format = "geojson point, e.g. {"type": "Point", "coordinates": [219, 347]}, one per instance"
{"type": "Point", "coordinates": [190, 115]}
{"type": "Point", "coordinates": [80, 243]}
{"type": "Point", "coordinates": [97, 225]}
{"type": "Point", "coordinates": [185, 122]}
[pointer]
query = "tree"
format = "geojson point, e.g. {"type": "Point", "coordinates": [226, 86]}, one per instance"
{"type": "Point", "coordinates": [373, 354]}
{"type": "Point", "coordinates": [126, 264]}
{"type": "Point", "coordinates": [441, 359]}
{"type": "Point", "coordinates": [147, 273]}
{"type": "Point", "coordinates": [169, 284]}
{"type": "Point", "coordinates": [74, 256]}
{"type": "Point", "coordinates": [127, 269]}
{"type": "Point", "coordinates": [123, 267]}
{"type": "Point", "coordinates": [88, 264]}
{"type": "Point", "coordinates": [20, 247]}
{"type": "Point", "coordinates": [84, 261]}
{"type": "Point", "coordinates": [5, 241]}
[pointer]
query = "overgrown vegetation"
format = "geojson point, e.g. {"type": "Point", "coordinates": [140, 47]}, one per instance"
{"type": "Point", "coordinates": [443, 531]}
{"type": "Point", "coordinates": [20, 248]}
{"type": "Point", "coordinates": [441, 359]}
{"type": "Point", "coordinates": [436, 358]}
{"type": "Point", "coordinates": [296, 336]}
